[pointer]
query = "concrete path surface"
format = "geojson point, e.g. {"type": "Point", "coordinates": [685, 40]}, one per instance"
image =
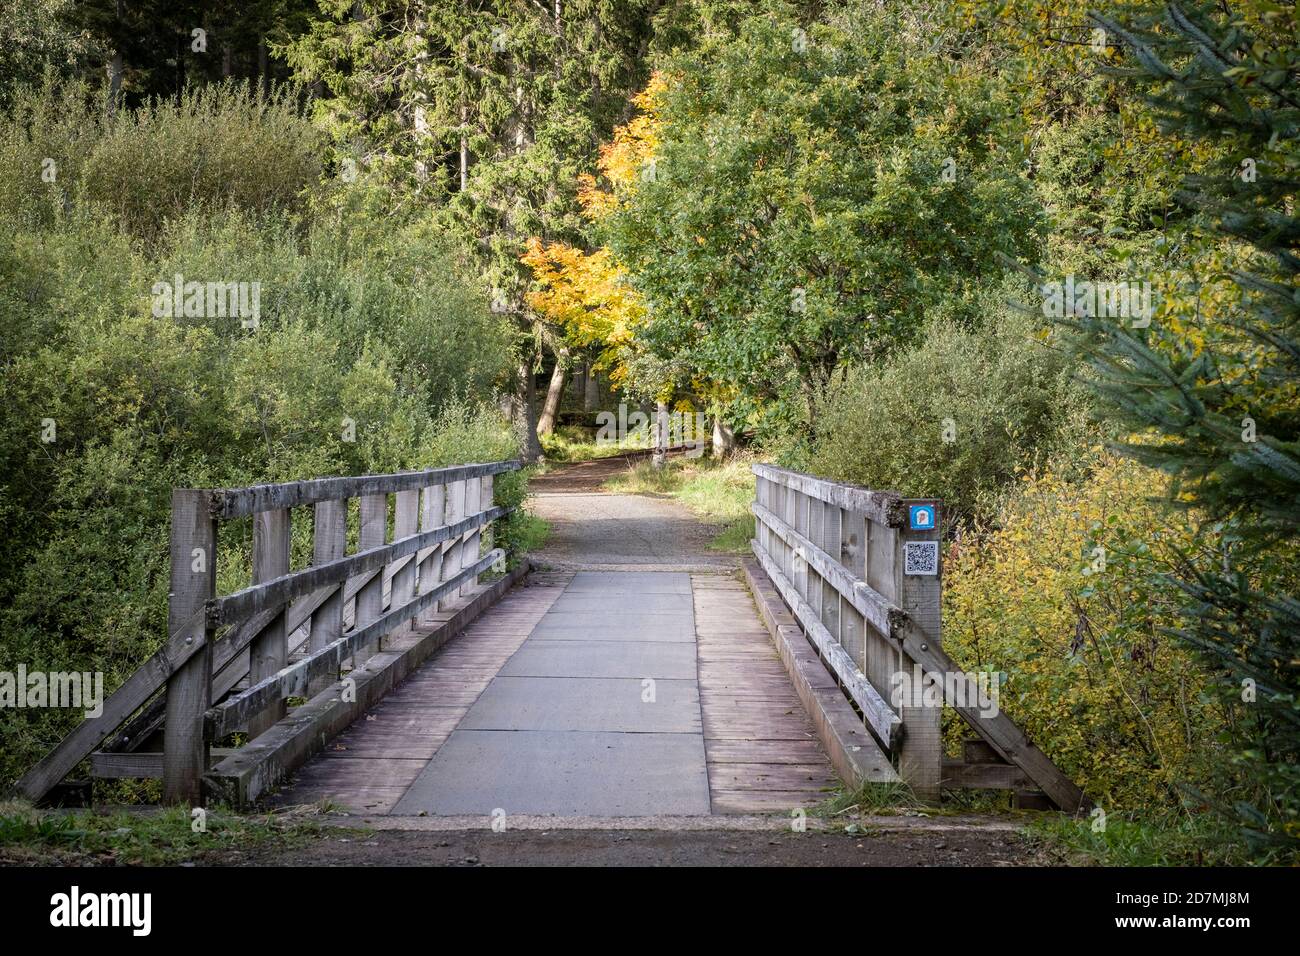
{"type": "Point", "coordinates": [652, 690]}
{"type": "Point", "coordinates": [598, 713]}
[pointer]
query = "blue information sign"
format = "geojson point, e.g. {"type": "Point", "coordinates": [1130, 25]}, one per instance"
{"type": "Point", "coordinates": [921, 517]}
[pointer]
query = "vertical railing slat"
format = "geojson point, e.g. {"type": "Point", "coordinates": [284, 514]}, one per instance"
{"type": "Point", "coordinates": [269, 651]}
{"type": "Point", "coordinates": [405, 521]}
{"type": "Point", "coordinates": [469, 549]}
{"type": "Point", "coordinates": [432, 510]}
{"type": "Point", "coordinates": [329, 543]}
{"type": "Point", "coordinates": [370, 599]}
{"type": "Point", "coordinates": [451, 555]}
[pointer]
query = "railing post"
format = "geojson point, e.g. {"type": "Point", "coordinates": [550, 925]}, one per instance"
{"type": "Point", "coordinates": [329, 543]}
{"type": "Point", "coordinates": [270, 649]}
{"type": "Point", "coordinates": [370, 599]}
{"type": "Point", "coordinates": [193, 582]}
{"type": "Point", "coordinates": [917, 577]}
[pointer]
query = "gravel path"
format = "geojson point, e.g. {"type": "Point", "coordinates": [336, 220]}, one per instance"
{"type": "Point", "coordinates": [599, 531]}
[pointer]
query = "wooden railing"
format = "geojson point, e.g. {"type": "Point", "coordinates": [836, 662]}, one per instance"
{"type": "Point", "coordinates": [225, 666]}
{"type": "Point", "coordinates": [860, 571]}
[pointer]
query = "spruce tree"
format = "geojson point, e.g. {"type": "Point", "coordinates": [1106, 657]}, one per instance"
{"type": "Point", "coordinates": [1218, 407]}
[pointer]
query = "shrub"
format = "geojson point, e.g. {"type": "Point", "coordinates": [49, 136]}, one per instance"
{"type": "Point", "coordinates": [221, 145]}
{"type": "Point", "coordinates": [1002, 396]}
{"type": "Point", "coordinates": [143, 404]}
{"type": "Point", "coordinates": [1092, 677]}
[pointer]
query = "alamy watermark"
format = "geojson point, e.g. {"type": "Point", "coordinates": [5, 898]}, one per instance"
{"type": "Point", "coordinates": [179, 299]}
{"type": "Point", "coordinates": [40, 689]}
{"type": "Point", "coordinates": [687, 430]}
{"type": "Point", "coordinates": [1103, 300]}
{"type": "Point", "coordinates": [974, 690]}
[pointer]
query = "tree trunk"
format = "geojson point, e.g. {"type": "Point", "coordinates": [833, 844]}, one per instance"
{"type": "Point", "coordinates": [551, 408]}
{"type": "Point", "coordinates": [525, 411]}
{"type": "Point", "coordinates": [115, 68]}
{"type": "Point", "coordinates": [724, 440]}
{"type": "Point", "coordinates": [591, 397]}
{"type": "Point", "coordinates": [661, 434]}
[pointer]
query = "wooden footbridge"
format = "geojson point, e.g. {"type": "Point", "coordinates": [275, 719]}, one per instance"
{"type": "Point", "coordinates": [409, 669]}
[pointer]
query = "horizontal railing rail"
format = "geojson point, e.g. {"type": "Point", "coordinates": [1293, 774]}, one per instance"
{"type": "Point", "coordinates": [258, 597]}
{"type": "Point", "coordinates": [295, 679]}
{"type": "Point", "coordinates": [240, 502]}
{"type": "Point", "coordinates": [225, 665]}
{"type": "Point", "coordinates": [860, 571]}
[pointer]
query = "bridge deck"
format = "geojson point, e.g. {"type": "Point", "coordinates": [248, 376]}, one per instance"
{"type": "Point", "coordinates": [588, 693]}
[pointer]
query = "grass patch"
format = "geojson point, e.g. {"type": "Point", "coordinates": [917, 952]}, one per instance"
{"type": "Point", "coordinates": [528, 532]}
{"type": "Point", "coordinates": [162, 838]}
{"type": "Point", "coordinates": [1167, 840]}
{"type": "Point", "coordinates": [570, 443]}
{"type": "Point", "coordinates": [870, 798]}
{"type": "Point", "coordinates": [718, 492]}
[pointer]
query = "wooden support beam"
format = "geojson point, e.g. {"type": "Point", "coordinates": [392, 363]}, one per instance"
{"type": "Point", "coordinates": [958, 775]}
{"type": "Point", "coordinates": [998, 730]}
{"type": "Point", "coordinates": [141, 765]}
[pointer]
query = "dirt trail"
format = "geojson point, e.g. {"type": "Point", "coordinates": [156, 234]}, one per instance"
{"type": "Point", "coordinates": [570, 847]}
{"type": "Point", "coordinates": [596, 530]}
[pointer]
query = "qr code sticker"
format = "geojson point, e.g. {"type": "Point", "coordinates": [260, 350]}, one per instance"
{"type": "Point", "coordinates": [921, 557]}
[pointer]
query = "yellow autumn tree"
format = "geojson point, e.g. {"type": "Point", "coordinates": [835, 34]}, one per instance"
{"type": "Point", "coordinates": [586, 292]}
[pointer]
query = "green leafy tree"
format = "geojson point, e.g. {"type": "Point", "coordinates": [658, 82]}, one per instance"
{"type": "Point", "coordinates": [1211, 388]}
{"type": "Point", "coordinates": [820, 190]}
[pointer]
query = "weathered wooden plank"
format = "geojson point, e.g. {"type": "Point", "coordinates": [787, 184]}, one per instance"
{"type": "Point", "coordinates": [469, 549]}
{"type": "Point", "coordinates": [879, 716]}
{"type": "Point", "coordinates": [370, 599]}
{"type": "Point", "coordinates": [140, 765]}
{"type": "Point", "coordinates": [432, 514]}
{"type": "Point", "coordinates": [867, 601]}
{"type": "Point", "coordinates": [983, 776]}
{"type": "Point", "coordinates": [193, 558]}
{"type": "Point", "coordinates": [882, 506]}
{"type": "Point", "coordinates": [402, 571]}
{"type": "Point", "coordinates": [453, 550]}
{"type": "Point", "coordinates": [329, 543]}
{"type": "Point", "coordinates": [237, 502]}
{"type": "Point", "coordinates": [295, 678]}
{"type": "Point", "coordinates": [239, 604]}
